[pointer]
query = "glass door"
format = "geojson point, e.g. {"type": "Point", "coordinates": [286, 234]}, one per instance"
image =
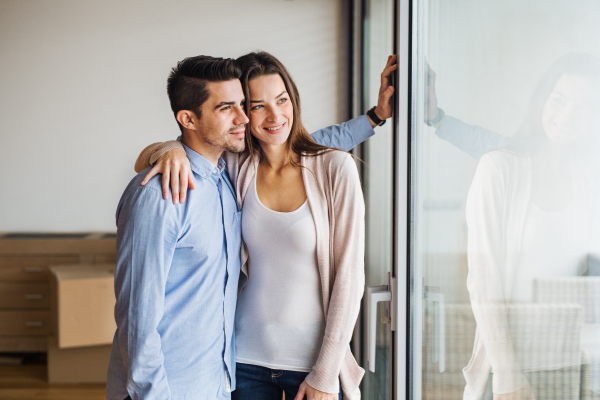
{"type": "Point", "coordinates": [483, 216]}
{"type": "Point", "coordinates": [504, 284]}
{"type": "Point", "coordinates": [378, 156]}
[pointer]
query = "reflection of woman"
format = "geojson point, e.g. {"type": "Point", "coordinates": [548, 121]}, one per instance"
{"type": "Point", "coordinates": [529, 213]}
{"type": "Point", "coordinates": [303, 226]}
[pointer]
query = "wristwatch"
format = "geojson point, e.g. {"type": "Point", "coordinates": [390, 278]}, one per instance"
{"type": "Point", "coordinates": [438, 117]}
{"type": "Point", "coordinates": [374, 117]}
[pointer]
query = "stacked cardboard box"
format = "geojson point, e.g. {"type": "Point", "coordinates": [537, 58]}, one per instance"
{"type": "Point", "coordinates": [83, 303]}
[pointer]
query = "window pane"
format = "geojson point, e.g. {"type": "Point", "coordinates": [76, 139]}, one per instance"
{"type": "Point", "coordinates": [505, 216]}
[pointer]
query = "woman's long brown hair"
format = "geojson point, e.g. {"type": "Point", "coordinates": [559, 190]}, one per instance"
{"type": "Point", "coordinates": [257, 64]}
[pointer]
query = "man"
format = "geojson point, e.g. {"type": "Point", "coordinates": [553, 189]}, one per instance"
{"type": "Point", "coordinates": [178, 266]}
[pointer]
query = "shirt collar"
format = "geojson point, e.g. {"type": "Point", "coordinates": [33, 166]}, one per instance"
{"type": "Point", "coordinates": [201, 166]}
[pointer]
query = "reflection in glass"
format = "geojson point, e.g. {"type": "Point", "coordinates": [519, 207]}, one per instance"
{"type": "Point", "coordinates": [529, 216]}
{"type": "Point", "coordinates": [505, 234]}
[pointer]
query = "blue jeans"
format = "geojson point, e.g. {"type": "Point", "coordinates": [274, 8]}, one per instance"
{"type": "Point", "coordinates": [260, 383]}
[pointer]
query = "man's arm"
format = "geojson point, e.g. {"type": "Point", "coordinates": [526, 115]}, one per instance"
{"type": "Point", "coordinates": [346, 135]}
{"type": "Point", "coordinates": [351, 133]}
{"type": "Point", "coordinates": [472, 139]}
{"type": "Point", "coordinates": [146, 238]}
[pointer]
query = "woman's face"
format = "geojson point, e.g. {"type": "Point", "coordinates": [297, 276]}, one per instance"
{"type": "Point", "coordinates": [271, 112]}
{"type": "Point", "coordinates": [570, 109]}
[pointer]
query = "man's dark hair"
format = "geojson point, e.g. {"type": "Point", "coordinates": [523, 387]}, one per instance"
{"type": "Point", "coordinates": [187, 87]}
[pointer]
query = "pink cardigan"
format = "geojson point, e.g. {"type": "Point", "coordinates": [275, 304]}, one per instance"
{"type": "Point", "coordinates": [336, 201]}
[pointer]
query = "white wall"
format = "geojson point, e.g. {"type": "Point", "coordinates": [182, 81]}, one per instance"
{"type": "Point", "coordinates": [83, 90]}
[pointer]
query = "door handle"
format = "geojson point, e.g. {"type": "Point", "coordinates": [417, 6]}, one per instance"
{"type": "Point", "coordinates": [376, 294]}
{"type": "Point", "coordinates": [439, 345]}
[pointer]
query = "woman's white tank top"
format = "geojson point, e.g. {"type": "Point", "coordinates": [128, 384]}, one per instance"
{"type": "Point", "coordinates": [279, 321]}
{"type": "Point", "coordinates": [554, 244]}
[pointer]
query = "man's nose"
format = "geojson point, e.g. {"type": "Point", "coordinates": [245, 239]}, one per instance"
{"type": "Point", "coordinates": [240, 117]}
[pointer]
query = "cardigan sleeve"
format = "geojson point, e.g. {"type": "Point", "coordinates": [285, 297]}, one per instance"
{"type": "Point", "coordinates": [348, 225]}
{"type": "Point", "coordinates": [152, 153]}
{"type": "Point", "coordinates": [486, 284]}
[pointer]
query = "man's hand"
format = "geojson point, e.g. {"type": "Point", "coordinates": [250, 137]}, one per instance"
{"type": "Point", "coordinates": [386, 91]}
{"type": "Point", "coordinates": [313, 394]}
{"type": "Point", "coordinates": [173, 164]}
{"type": "Point", "coordinates": [525, 393]}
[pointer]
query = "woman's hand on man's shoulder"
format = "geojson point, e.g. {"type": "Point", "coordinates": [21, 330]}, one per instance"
{"type": "Point", "coordinates": [176, 170]}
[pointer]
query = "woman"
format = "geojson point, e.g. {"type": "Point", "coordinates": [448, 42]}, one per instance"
{"type": "Point", "coordinates": [530, 214]}
{"type": "Point", "coordinates": [303, 226]}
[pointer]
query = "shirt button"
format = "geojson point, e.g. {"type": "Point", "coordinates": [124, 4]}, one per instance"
{"type": "Point", "coordinates": [227, 326]}
{"type": "Point", "coordinates": [214, 171]}
{"type": "Point", "coordinates": [225, 222]}
{"type": "Point", "coordinates": [227, 290]}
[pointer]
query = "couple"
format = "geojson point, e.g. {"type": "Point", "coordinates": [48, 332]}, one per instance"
{"type": "Point", "coordinates": [301, 259]}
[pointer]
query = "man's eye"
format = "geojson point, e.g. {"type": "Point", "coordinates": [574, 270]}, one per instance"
{"type": "Point", "coordinates": [225, 108]}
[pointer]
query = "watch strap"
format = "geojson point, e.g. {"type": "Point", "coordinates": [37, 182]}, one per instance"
{"type": "Point", "coordinates": [374, 117]}
{"type": "Point", "coordinates": [440, 114]}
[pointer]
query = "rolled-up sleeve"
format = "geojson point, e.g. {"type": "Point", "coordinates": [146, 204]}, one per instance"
{"type": "Point", "coordinates": [147, 232]}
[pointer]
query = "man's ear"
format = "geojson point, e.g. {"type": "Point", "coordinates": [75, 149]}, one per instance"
{"type": "Point", "coordinates": [187, 118]}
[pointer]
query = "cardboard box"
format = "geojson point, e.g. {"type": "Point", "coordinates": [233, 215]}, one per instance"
{"type": "Point", "coordinates": [78, 364]}
{"type": "Point", "coordinates": [83, 302]}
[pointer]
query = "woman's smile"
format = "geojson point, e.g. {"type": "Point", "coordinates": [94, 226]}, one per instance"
{"type": "Point", "coordinates": [275, 129]}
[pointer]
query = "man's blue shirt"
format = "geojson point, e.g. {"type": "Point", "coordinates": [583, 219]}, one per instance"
{"type": "Point", "coordinates": [176, 282]}
{"type": "Point", "coordinates": [176, 285]}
